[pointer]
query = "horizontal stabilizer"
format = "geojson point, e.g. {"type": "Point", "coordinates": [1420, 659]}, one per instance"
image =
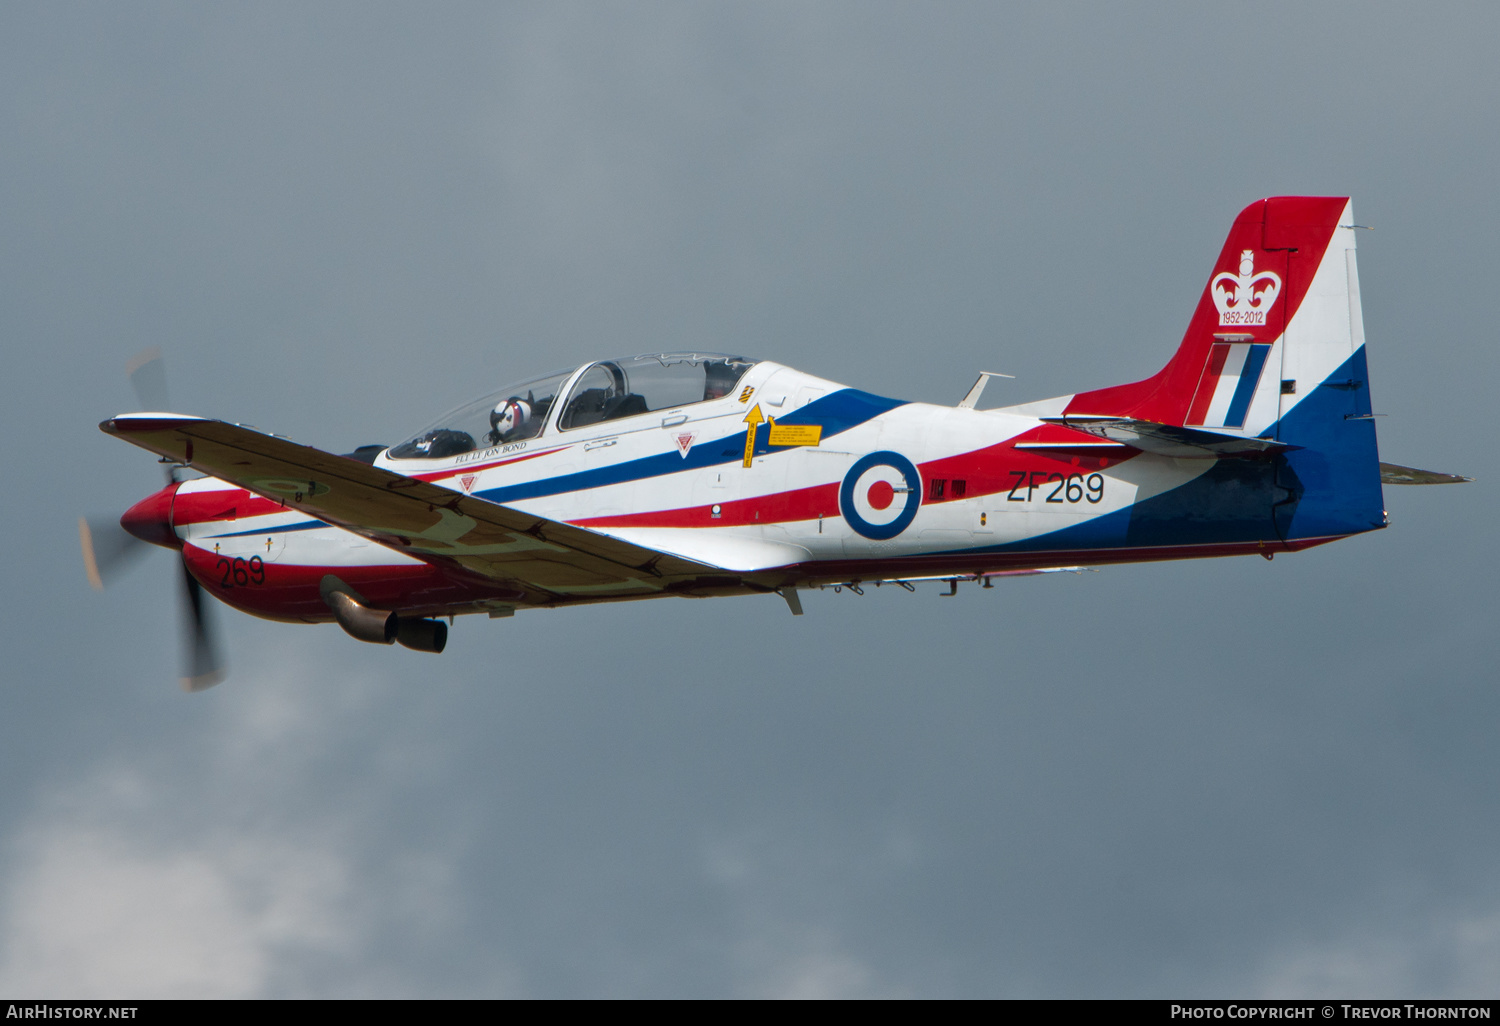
{"type": "Point", "coordinates": [1392, 474]}
{"type": "Point", "coordinates": [1170, 440]}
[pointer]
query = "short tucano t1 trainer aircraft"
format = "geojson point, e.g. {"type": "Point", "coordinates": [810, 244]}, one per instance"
{"type": "Point", "coordinates": [702, 474]}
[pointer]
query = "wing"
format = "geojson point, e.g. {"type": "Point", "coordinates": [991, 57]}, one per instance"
{"type": "Point", "coordinates": [551, 561]}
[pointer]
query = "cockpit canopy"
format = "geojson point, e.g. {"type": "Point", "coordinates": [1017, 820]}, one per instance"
{"type": "Point", "coordinates": [603, 391]}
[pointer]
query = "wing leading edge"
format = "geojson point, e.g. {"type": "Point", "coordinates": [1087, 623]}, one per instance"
{"type": "Point", "coordinates": [552, 561]}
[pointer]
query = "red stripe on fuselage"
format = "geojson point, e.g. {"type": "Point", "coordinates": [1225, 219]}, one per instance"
{"type": "Point", "coordinates": [221, 504]}
{"type": "Point", "coordinates": [442, 475]}
{"type": "Point", "coordinates": [992, 470]}
{"type": "Point", "coordinates": [780, 507]}
{"type": "Point", "coordinates": [987, 471]}
{"type": "Point", "coordinates": [289, 591]}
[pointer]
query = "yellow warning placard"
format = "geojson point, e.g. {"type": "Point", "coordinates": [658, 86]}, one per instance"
{"type": "Point", "coordinates": [796, 434]}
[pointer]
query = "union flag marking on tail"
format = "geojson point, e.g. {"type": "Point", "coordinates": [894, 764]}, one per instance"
{"type": "Point", "coordinates": [1228, 384]}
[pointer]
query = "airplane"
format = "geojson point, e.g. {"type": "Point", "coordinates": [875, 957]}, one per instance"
{"type": "Point", "coordinates": [697, 474]}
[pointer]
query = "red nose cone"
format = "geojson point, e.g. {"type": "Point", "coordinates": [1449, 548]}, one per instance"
{"type": "Point", "coordinates": [151, 518]}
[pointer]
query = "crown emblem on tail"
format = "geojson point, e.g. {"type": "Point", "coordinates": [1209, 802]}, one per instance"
{"type": "Point", "coordinates": [1236, 296]}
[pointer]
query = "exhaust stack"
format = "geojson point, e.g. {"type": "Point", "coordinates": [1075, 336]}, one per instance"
{"type": "Point", "coordinates": [422, 635]}
{"type": "Point", "coordinates": [381, 626]}
{"type": "Point", "coordinates": [374, 625]}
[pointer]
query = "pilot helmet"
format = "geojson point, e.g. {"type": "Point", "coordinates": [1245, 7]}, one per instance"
{"type": "Point", "coordinates": [509, 417]}
{"type": "Point", "coordinates": [721, 376]}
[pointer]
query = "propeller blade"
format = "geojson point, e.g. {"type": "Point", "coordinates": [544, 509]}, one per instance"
{"type": "Point", "coordinates": [108, 549]}
{"type": "Point", "coordinates": [148, 376]}
{"type": "Point", "coordinates": [202, 666]}
{"type": "Point", "coordinates": [147, 371]}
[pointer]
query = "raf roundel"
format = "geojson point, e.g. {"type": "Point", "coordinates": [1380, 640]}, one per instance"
{"type": "Point", "coordinates": [880, 495]}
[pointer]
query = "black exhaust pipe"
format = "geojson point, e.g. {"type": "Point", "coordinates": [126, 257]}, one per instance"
{"type": "Point", "coordinates": [422, 635]}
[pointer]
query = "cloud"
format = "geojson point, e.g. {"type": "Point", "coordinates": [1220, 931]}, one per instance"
{"type": "Point", "coordinates": [218, 866]}
{"type": "Point", "coordinates": [783, 934]}
{"type": "Point", "coordinates": [1452, 955]}
{"type": "Point", "coordinates": [812, 966]}
{"type": "Point", "coordinates": [1151, 778]}
{"type": "Point", "coordinates": [106, 911]}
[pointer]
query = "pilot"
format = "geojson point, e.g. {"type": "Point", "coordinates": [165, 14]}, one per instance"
{"type": "Point", "coordinates": [510, 420]}
{"type": "Point", "coordinates": [720, 379]}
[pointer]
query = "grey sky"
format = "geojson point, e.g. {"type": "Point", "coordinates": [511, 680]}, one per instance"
{"type": "Point", "coordinates": [1224, 777]}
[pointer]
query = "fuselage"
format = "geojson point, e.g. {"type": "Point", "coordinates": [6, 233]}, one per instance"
{"type": "Point", "coordinates": [844, 486]}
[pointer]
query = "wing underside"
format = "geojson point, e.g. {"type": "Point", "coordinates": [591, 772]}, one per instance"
{"type": "Point", "coordinates": [550, 562]}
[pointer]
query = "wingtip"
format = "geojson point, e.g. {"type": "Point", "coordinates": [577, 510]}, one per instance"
{"type": "Point", "coordinates": [124, 424]}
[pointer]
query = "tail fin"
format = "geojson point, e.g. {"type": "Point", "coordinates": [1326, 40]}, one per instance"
{"type": "Point", "coordinates": [1281, 306]}
{"type": "Point", "coordinates": [1275, 349]}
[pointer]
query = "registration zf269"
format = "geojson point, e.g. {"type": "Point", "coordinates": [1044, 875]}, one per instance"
{"type": "Point", "coordinates": [1056, 486]}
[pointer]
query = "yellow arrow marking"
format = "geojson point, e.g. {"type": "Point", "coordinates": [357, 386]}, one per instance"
{"type": "Point", "coordinates": [753, 418]}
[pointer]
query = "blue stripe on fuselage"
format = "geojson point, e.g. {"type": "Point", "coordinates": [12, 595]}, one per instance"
{"type": "Point", "coordinates": [305, 525]}
{"type": "Point", "coordinates": [844, 409]}
{"type": "Point", "coordinates": [837, 413]}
